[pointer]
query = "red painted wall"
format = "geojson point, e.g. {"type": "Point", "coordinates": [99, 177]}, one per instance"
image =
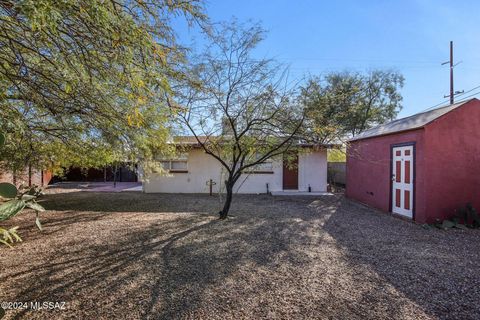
{"type": "Point", "coordinates": [447, 170]}
{"type": "Point", "coordinates": [453, 159]}
{"type": "Point", "coordinates": [368, 170]}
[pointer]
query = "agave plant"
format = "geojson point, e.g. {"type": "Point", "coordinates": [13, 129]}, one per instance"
{"type": "Point", "coordinates": [15, 200]}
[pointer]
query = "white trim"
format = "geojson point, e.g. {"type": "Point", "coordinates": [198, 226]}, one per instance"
{"type": "Point", "coordinates": [402, 185]}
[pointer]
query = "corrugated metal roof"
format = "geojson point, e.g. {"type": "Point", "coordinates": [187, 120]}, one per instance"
{"type": "Point", "coordinates": [413, 122]}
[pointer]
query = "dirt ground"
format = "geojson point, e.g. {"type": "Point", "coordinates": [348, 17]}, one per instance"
{"type": "Point", "coordinates": [154, 256]}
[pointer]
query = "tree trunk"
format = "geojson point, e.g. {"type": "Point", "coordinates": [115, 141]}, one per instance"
{"type": "Point", "coordinates": [115, 176]}
{"type": "Point", "coordinates": [226, 206]}
{"type": "Point", "coordinates": [29, 174]}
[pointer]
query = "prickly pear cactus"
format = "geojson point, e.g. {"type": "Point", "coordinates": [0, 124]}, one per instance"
{"type": "Point", "coordinates": [12, 202]}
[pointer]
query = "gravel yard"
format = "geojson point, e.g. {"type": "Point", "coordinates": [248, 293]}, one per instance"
{"type": "Point", "coordinates": [155, 256]}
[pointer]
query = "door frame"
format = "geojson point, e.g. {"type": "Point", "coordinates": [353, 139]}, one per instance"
{"type": "Point", "coordinates": [413, 144]}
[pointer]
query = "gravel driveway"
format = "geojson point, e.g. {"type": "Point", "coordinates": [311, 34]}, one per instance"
{"type": "Point", "coordinates": [143, 256]}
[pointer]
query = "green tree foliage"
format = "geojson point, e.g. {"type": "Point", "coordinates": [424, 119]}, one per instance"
{"type": "Point", "coordinates": [82, 79]}
{"type": "Point", "coordinates": [342, 105]}
{"type": "Point", "coordinates": [12, 202]}
{"type": "Point", "coordinates": [336, 155]}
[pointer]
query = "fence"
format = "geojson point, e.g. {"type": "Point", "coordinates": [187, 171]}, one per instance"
{"type": "Point", "coordinates": [26, 177]}
{"type": "Point", "coordinates": [337, 172]}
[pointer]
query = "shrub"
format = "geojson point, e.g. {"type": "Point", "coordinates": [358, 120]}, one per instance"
{"type": "Point", "coordinates": [465, 217]}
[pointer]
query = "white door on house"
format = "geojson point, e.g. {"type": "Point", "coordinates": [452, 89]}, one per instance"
{"type": "Point", "coordinates": [402, 180]}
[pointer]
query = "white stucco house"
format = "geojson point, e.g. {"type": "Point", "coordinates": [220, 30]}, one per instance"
{"type": "Point", "coordinates": [193, 171]}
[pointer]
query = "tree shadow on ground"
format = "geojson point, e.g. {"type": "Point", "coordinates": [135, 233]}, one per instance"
{"type": "Point", "coordinates": [436, 269]}
{"type": "Point", "coordinates": [128, 202]}
{"type": "Point", "coordinates": [275, 258]}
{"type": "Point", "coordinates": [149, 267]}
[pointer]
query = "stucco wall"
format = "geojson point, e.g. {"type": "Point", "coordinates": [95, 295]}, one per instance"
{"type": "Point", "coordinates": [257, 183]}
{"type": "Point", "coordinates": [453, 159]}
{"type": "Point", "coordinates": [312, 170]}
{"type": "Point", "coordinates": [368, 170]}
{"type": "Point", "coordinates": [202, 167]}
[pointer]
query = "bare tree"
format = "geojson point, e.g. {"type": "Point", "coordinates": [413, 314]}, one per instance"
{"type": "Point", "coordinates": [239, 109]}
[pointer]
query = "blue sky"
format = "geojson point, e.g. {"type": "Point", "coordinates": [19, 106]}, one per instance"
{"type": "Point", "coordinates": [315, 37]}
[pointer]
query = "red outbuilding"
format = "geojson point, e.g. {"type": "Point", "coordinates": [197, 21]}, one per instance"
{"type": "Point", "coordinates": [423, 167]}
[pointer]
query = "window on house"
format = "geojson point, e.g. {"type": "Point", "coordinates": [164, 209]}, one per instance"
{"type": "Point", "coordinates": [266, 167]}
{"type": "Point", "coordinates": [179, 164]}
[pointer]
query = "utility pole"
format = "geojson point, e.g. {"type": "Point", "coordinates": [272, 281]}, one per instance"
{"type": "Point", "coordinates": [451, 73]}
{"type": "Point", "coordinates": [452, 92]}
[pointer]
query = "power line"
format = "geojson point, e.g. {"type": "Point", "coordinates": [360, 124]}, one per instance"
{"type": "Point", "coordinates": [469, 96]}
{"type": "Point", "coordinates": [293, 59]}
{"type": "Point", "coordinates": [458, 95]}
{"type": "Point", "coordinates": [434, 106]}
{"type": "Point", "coordinates": [465, 92]}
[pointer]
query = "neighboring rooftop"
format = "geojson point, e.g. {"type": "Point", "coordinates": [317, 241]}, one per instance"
{"type": "Point", "coordinates": [416, 121]}
{"type": "Point", "coordinates": [189, 140]}
{"type": "Point", "coordinates": [193, 142]}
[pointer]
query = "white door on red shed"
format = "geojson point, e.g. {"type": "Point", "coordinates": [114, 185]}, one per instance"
{"type": "Point", "coordinates": [402, 180]}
